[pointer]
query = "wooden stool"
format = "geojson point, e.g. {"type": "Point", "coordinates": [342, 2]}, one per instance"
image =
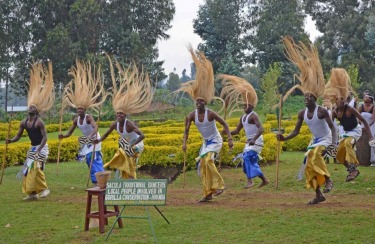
{"type": "Point", "coordinates": [102, 214]}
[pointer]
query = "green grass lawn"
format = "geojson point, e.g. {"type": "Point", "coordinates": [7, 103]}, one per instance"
{"type": "Point", "coordinates": [265, 215]}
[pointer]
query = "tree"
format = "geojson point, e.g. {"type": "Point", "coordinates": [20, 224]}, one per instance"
{"type": "Point", "coordinates": [14, 44]}
{"type": "Point", "coordinates": [132, 28]}
{"type": "Point", "coordinates": [173, 82]}
{"type": "Point", "coordinates": [269, 86]}
{"type": "Point", "coordinates": [370, 33]}
{"type": "Point", "coordinates": [269, 20]}
{"type": "Point", "coordinates": [353, 74]}
{"type": "Point", "coordinates": [184, 77]}
{"type": "Point", "coordinates": [228, 64]}
{"type": "Point", "coordinates": [344, 24]}
{"type": "Point", "coordinates": [252, 74]}
{"type": "Point", "coordinates": [64, 30]}
{"type": "Point", "coordinates": [220, 24]}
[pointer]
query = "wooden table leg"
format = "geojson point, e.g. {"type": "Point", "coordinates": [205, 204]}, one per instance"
{"type": "Point", "coordinates": [88, 210]}
{"type": "Point", "coordinates": [120, 224]}
{"type": "Point", "coordinates": [101, 213]}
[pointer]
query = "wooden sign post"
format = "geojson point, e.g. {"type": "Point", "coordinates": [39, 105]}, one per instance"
{"type": "Point", "coordinates": [146, 192]}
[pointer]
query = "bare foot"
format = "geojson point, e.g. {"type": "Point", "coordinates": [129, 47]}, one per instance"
{"type": "Point", "coordinates": [317, 200]}
{"type": "Point", "coordinates": [265, 182]}
{"type": "Point", "coordinates": [352, 175]}
{"type": "Point", "coordinates": [248, 186]}
{"type": "Point", "coordinates": [328, 187]}
{"type": "Point", "coordinates": [206, 199]}
{"type": "Point", "coordinates": [219, 192]}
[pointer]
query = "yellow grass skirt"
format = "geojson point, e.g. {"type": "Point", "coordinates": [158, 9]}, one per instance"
{"type": "Point", "coordinates": [316, 168]}
{"type": "Point", "coordinates": [124, 163]}
{"type": "Point", "coordinates": [35, 180]}
{"type": "Point", "coordinates": [210, 176]}
{"type": "Point", "coordinates": [345, 151]}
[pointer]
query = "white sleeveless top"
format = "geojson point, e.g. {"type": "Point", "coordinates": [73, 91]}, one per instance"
{"type": "Point", "coordinates": [207, 129]}
{"type": "Point", "coordinates": [318, 127]}
{"type": "Point", "coordinates": [130, 137]}
{"type": "Point", "coordinates": [86, 129]}
{"type": "Point", "coordinates": [251, 131]}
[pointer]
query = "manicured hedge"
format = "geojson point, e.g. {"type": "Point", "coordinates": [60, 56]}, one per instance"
{"type": "Point", "coordinates": [163, 142]}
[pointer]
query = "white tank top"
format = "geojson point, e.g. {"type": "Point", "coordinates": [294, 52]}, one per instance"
{"type": "Point", "coordinates": [207, 128]}
{"type": "Point", "coordinates": [130, 137]}
{"type": "Point", "coordinates": [85, 128]}
{"type": "Point", "coordinates": [250, 129]}
{"type": "Point", "coordinates": [318, 127]}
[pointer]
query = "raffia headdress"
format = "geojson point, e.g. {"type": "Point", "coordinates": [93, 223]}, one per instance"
{"type": "Point", "coordinates": [339, 85]}
{"type": "Point", "coordinates": [306, 58]}
{"type": "Point", "coordinates": [134, 93]}
{"type": "Point", "coordinates": [86, 89]}
{"type": "Point", "coordinates": [203, 86]}
{"type": "Point", "coordinates": [237, 91]}
{"type": "Point", "coordinates": [41, 91]}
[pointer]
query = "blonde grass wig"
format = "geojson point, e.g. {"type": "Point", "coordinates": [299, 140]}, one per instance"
{"type": "Point", "coordinates": [86, 89]}
{"type": "Point", "coordinates": [203, 86]}
{"type": "Point", "coordinates": [41, 92]}
{"type": "Point", "coordinates": [327, 104]}
{"type": "Point", "coordinates": [237, 91]}
{"type": "Point", "coordinates": [306, 58]}
{"type": "Point", "coordinates": [339, 84]}
{"type": "Point", "coordinates": [329, 95]}
{"type": "Point", "coordinates": [134, 92]}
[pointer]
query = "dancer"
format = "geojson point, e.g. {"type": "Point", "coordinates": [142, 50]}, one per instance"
{"type": "Point", "coordinates": [40, 99]}
{"type": "Point", "coordinates": [316, 117]}
{"type": "Point", "coordinates": [133, 95]}
{"type": "Point", "coordinates": [86, 91]}
{"type": "Point", "coordinates": [339, 86]}
{"type": "Point", "coordinates": [235, 89]}
{"type": "Point", "coordinates": [202, 91]}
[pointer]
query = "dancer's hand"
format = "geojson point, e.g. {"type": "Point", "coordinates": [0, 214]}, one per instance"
{"type": "Point", "coordinates": [230, 144]}
{"type": "Point", "coordinates": [252, 142]}
{"type": "Point", "coordinates": [280, 137]}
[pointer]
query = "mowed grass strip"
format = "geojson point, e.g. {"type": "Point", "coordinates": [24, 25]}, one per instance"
{"type": "Point", "coordinates": [267, 215]}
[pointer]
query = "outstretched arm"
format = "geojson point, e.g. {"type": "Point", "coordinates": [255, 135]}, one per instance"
{"type": "Point", "coordinates": [111, 128]}
{"type": "Point", "coordinates": [296, 130]}
{"type": "Point", "coordinates": [225, 125]}
{"type": "Point", "coordinates": [71, 129]}
{"type": "Point", "coordinates": [238, 128]}
{"type": "Point", "coordinates": [19, 133]}
{"type": "Point", "coordinates": [188, 120]}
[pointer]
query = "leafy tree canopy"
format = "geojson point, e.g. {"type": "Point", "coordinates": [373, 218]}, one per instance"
{"type": "Point", "coordinates": [343, 43]}
{"type": "Point", "coordinates": [63, 30]}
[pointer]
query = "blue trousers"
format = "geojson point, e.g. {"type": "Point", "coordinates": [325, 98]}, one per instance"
{"type": "Point", "coordinates": [97, 164]}
{"type": "Point", "coordinates": [250, 165]}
